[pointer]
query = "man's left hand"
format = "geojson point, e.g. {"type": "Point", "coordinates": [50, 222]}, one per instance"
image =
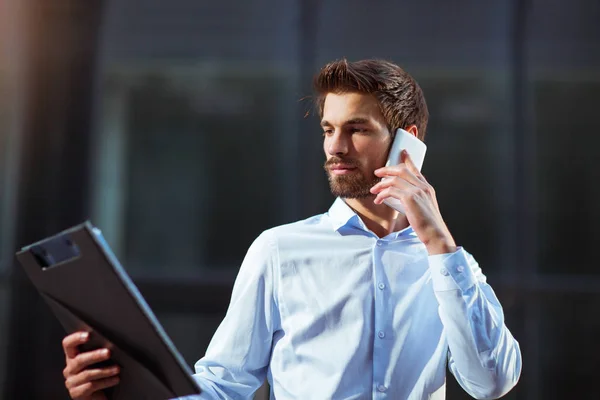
{"type": "Point", "coordinates": [406, 183]}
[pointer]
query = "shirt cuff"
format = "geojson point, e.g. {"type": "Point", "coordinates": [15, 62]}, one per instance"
{"type": "Point", "coordinates": [451, 271]}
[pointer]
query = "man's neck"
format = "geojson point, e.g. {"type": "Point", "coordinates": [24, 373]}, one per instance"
{"type": "Point", "coordinates": [379, 218]}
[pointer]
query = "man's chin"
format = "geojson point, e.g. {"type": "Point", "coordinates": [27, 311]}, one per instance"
{"type": "Point", "coordinates": [351, 187]}
{"type": "Point", "coordinates": [352, 194]}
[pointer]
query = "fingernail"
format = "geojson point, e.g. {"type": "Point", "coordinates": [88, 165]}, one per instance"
{"type": "Point", "coordinates": [84, 335]}
{"type": "Point", "coordinates": [105, 352]}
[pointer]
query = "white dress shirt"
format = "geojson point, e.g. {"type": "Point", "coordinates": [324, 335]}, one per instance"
{"type": "Point", "coordinates": [324, 309]}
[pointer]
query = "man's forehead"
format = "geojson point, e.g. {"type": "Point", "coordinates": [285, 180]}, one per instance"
{"type": "Point", "coordinates": [342, 107]}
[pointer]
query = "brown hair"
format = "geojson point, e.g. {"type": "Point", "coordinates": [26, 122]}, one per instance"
{"type": "Point", "coordinates": [400, 97]}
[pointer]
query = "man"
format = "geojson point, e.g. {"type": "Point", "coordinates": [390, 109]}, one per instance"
{"type": "Point", "coordinates": [360, 302]}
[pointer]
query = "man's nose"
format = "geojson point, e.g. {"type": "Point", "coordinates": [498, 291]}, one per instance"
{"type": "Point", "coordinates": [338, 144]}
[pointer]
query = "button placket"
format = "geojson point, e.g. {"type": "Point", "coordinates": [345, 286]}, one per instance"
{"type": "Point", "coordinates": [381, 351]}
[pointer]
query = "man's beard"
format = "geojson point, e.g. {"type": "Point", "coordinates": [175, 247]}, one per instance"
{"type": "Point", "coordinates": [354, 185]}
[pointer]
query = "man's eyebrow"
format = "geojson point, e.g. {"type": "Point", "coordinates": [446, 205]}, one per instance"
{"type": "Point", "coordinates": [357, 121]}
{"type": "Point", "coordinates": [353, 121]}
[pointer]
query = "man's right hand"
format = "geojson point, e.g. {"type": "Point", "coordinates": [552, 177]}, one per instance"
{"type": "Point", "coordinates": [83, 383]}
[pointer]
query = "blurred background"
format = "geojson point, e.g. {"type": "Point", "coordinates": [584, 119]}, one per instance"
{"type": "Point", "coordinates": [178, 127]}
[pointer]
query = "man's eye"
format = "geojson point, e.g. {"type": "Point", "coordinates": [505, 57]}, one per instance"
{"type": "Point", "coordinates": [357, 130]}
{"type": "Point", "coordinates": [328, 132]}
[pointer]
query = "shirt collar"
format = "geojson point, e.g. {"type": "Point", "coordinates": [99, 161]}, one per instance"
{"type": "Point", "coordinates": [343, 216]}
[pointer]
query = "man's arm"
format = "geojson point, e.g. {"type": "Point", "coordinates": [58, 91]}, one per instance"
{"type": "Point", "coordinates": [484, 357]}
{"type": "Point", "coordinates": [237, 359]}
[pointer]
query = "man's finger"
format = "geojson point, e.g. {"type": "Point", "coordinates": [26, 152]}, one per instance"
{"type": "Point", "coordinates": [84, 360]}
{"type": "Point", "coordinates": [89, 375]}
{"type": "Point", "coordinates": [71, 342]}
{"type": "Point", "coordinates": [388, 192]}
{"type": "Point", "coordinates": [406, 159]}
{"type": "Point", "coordinates": [402, 171]}
{"type": "Point", "coordinates": [90, 388]}
{"type": "Point", "coordinates": [391, 182]}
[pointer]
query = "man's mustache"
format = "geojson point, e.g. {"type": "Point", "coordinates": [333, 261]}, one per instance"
{"type": "Point", "coordinates": [346, 161]}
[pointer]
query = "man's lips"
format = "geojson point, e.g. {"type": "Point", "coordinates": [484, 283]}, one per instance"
{"type": "Point", "coordinates": [341, 169]}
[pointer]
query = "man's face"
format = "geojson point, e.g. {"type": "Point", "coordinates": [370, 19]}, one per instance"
{"type": "Point", "coordinates": [356, 143]}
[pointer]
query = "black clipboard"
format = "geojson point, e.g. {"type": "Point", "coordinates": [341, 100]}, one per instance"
{"type": "Point", "coordinates": [86, 287]}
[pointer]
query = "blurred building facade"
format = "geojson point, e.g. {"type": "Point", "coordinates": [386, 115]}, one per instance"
{"type": "Point", "coordinates": [180, 129]}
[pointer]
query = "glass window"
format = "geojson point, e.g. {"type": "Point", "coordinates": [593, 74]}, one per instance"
{"type": "Point", "coordinates": [564, 88]}
{"type": "Point", "coordinates": [567, 142]}
{"type": "Point", "coordinates": [198, 155]}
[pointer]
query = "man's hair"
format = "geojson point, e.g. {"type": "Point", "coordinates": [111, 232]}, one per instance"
{"type": "Point", "coordinates": [400, 97]}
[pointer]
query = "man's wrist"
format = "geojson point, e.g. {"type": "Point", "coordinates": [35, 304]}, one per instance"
{"type": "Point", "coordinates": [441, 246]}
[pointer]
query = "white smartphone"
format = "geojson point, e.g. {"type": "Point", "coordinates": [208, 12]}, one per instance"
{"type": "Point", "coordinates": [415, 148]}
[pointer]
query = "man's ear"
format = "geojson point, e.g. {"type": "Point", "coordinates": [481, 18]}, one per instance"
{"type": "Point", "coordinates": [412, 129]}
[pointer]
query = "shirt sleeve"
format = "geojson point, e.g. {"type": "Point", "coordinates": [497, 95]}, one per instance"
{"type": "Point", "coordinates": [484, 357]}
{"type": "Point", "coordinates": [236, 361]}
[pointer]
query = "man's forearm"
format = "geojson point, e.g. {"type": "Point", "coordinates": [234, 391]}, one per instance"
{"type": "Point", "coordinates": [484, 356]}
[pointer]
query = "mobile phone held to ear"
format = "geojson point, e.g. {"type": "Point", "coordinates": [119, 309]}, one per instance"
{"type": "Point", "coordinates": [415, 148]}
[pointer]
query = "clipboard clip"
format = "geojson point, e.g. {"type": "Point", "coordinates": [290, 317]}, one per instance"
{"type": "Point", "coordinates": [54, 251]}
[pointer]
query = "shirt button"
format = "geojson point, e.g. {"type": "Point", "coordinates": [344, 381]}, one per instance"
{"type": "Point", "coordinates": [460, 268]}
{"type": "Point", "coordinates": [381, 286]}
{"type": "Point", "coordinates": [379, 244]}
{"type": "Point", "coordinates": [444, 271]}
{"type": "Point", "coordinates": [381, 388]}
{"type": "Point", "coordinates": [381, 334]}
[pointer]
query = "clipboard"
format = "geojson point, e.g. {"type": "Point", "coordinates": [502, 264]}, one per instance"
{"type": "Point", "coordinates": [86, 287]}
